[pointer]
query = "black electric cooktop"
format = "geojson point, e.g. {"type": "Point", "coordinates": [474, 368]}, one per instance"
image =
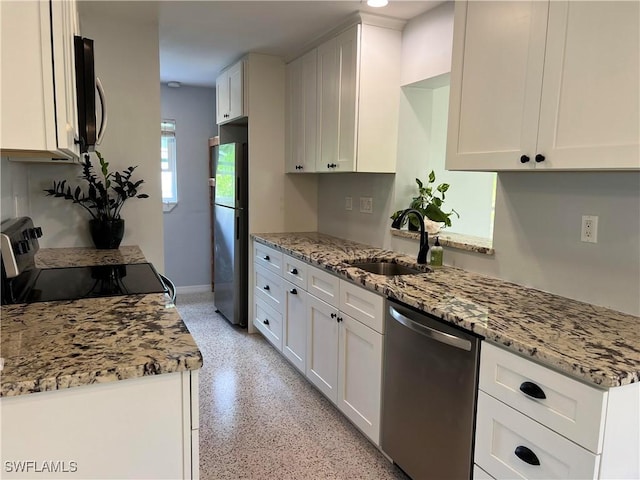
{"type": "Point", "coordinates": [73, 283]}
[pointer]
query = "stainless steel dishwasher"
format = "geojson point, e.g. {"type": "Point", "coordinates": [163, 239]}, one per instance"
{"type": "Point", "coordinates": [429, 394]}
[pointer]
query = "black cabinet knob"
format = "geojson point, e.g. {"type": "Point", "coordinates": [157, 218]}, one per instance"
{"type": "Point", "coordinates": [333, 315]}
{"type": "Point", "coordinates": [540, 158]}
{"type": "Point", "coordinates": [266, 287]}
{"type": "Point", "coordinates": [524, 159]}
{"type": "Point", "coordinates": [526, 455]}
{"type": "Point", "coordinates": [294, 271]}
{"type": "Point", "coordinates": [339, 319]}
{"type": "Point", "coordinates": [265, 321]}
{"type": "Point", "coordinates": [266, 257]}
{"type": "Point", "coordinates": [532, 390]}
{"type": "Point", "coordinates": [293, 291]}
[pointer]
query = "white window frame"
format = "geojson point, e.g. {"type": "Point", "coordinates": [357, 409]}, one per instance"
{"type": "Point", "coordinates": [168, 130]}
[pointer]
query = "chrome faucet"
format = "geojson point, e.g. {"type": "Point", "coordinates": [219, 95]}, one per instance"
{"type": "Point", "coordinates": [424, 237]}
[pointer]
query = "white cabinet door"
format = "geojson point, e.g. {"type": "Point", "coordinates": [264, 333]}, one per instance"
{"type": "Point", "coordinates": [496, 79]}
{"type": "Point", "coordinates": [64, 22]}
{"type": "Point", "coordinates": [236, 91]}
{"type": "Point", "coordinates": [360, 375]}
{"type": "Point", "coordinates": [294, 334]}
{"type": "Point", "coordinates": [545, 85]}
{"type": "Point", "coordinates": [328, 105]}
{"type": "Point", "coordinates": [348, 69]}
{"type": "Point", "coordinates": [302, 121]}
{"type": "Point", "coordinates": [230, 94]}
{"type": "Point", "coordinates": [222, 98]}
{"type": "Point", "coordinates": [591, 90]}
{"type": "Point", "coordinates": [322, 347]}
{"type": "Point", "coordinates": [38, 107]}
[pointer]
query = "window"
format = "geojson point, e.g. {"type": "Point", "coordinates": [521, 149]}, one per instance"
{"type": "Point", "coordinates": [168, 163]}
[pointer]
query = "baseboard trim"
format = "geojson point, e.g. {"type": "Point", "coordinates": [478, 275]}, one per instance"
{"type": "Point", "coordinates": [193, 289]}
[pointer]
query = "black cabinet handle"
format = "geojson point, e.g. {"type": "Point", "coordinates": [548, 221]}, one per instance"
{"type": "Point", "coordinates": [524, 159]}
{"type": "Point", "coordinates": [540, 158]}
{"type": "Point", "coordinates": [293, 291]}
{"type": "Point", "coordinates": [533, 390]}
{"type": "Point", "coordinates": [294, 271]}
{"type": "Point", "coordinates": [266, 257]}
{"type": "Point", "coordinates": [333, 315]}
{"type": "Point", "coordinates": [266, 287]}
{"type": "Point", "coordinates": [339, 319]}
{"type": "Point", "coordinates": [265, 321]}
{"type": "Point", "coordinates": [526, 455]}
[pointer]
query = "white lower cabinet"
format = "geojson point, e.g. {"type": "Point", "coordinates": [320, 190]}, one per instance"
{"type": "Point", "coordinates": [304, 315]}
{"type": "Point", "coordinates": [322, 347]}
{"type": "Point", "coordinates": [534, 422]}
{"type": "Point", "coordinates": [294, 334]}
{"type": "Point", "coordinates": [143, 427]}
{"type": "Point", "coordinates": [511, 445]}
{"type": "Point", "coordinates": [360, 375]}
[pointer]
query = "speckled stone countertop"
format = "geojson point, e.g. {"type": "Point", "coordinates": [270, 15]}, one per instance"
{"type": "Point", "coordinates": [55, 345]}
{"type": "Point", "coordinates": [86, 256]}
{"type": "Point", "coordinates": [453, 240]}
{"type": "Point", "coordinates": [594, 344]}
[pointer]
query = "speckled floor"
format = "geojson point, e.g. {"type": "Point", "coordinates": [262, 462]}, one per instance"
{"type": "Point", "coordinates": [260, 419]}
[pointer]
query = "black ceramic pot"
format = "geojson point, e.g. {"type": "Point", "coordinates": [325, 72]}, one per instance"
{"type": "Point", "coordinates": [106, 233]}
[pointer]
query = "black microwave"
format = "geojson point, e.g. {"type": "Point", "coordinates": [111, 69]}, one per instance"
{"type": "Point", "coordinates": [86, 86]}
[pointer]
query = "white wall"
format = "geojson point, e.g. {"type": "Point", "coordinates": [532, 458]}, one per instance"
{"type": "Point", "coordinates": [14, 189]}
{"type": "Point", "coordinates": [334, 219]}
{"type": "Point", "coordinates": [189, 223]}
{"type": "Point", "coordinates": [427, 41]}
{"type": "Point", "coordinates": [127, 62]}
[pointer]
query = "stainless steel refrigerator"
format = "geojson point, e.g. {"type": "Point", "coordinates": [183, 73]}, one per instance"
{"type": "Point", "coordinates": [231, 253]}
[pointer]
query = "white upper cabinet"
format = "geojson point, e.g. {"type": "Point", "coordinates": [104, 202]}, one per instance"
{"type": "Point", "coordinates": [39, 106]}
{"type": "Point", "coordinates": [539, 85]}
{"type": "Point", "coordinates": [230, 94]}
{"type": "Point", "coordinates": [302, 114]}
{"type": "Point", "coordinates": [356, 95]}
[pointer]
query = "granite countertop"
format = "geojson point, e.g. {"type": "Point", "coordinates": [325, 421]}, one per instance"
{"type": "Point", "coordinates": [55, 345]}
{"type": "Point", "coordinates": [594, 344]}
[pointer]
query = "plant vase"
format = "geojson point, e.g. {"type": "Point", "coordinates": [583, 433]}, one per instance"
{"type": "Point", "coordinates": [106, 234]}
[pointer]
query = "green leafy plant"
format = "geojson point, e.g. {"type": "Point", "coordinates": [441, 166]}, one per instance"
{"type": "Point", "coordinates": [429, 202]}
{"type": "Point", "coordinates": [105, 195]}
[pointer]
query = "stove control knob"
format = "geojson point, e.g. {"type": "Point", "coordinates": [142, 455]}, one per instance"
{"type": "Point", "coordinates": [22, 247]}
{"type": "Point", "coordinates": [35, 232]}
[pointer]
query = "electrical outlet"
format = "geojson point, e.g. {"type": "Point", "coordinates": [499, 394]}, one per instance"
{"type": "Point", "coordinates": [589, 232]}
{"type": "Point", "coordinates": [366, 205]}
{"type": "Point", "coordinates": [348, 203]}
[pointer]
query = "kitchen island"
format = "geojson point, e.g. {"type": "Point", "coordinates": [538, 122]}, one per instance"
{"type": "Point", "coordinates": [98, 387]}
{"type": "Point", "coordinates": [556, 376]}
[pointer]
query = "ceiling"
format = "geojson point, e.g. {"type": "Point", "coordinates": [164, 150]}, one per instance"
{"type": "Point", "coordinates": [200, 38]}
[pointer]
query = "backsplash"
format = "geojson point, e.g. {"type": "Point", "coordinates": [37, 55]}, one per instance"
{"type": "Point", "coordinates": [15, 189]}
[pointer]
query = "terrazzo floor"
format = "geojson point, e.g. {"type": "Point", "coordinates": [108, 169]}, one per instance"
{"type": "Point", "coordinates": [260, 419]}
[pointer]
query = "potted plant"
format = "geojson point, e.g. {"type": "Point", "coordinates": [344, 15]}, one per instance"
{"type": "Point", "coordinates": [429, 203]}
{"type": "Point", "coordinates": [103, 199]}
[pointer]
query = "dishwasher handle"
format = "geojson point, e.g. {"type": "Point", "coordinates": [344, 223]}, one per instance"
{"type": "Point", "coordinates": [432, 333]}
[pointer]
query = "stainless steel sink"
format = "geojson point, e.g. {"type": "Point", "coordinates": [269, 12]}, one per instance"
{"type": "Point", "coordinates": [387, 268]}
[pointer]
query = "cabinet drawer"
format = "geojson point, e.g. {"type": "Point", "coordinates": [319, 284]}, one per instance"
{"type": "Point", "coordinates": [570, 408]}
{"type": "Point", "coordinates": [294, 271]}
{"type": "Point", "coordinates": [269, 322]}
{"type": "Point", "coordinates": [363, 305]}
{"type": "Point", "coordinates": [501, 431]}
{"type": "Point", "coordinates": [267, 257]}
{"type": "Point", "coordinates": [269, 287]}
{"type": "Point", "coordinates": [323, 285]}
